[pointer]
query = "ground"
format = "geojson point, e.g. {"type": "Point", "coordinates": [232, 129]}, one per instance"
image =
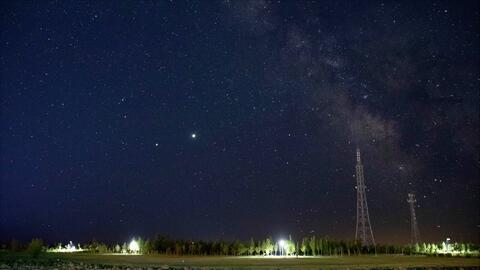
{"type": "Point", "coordinates": [355, 262]}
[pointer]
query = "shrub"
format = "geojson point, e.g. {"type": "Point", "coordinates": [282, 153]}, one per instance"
{"type": "Point", "coordinates": [35, 247]}
{"type": "Point", "coordinates": [102, 248]}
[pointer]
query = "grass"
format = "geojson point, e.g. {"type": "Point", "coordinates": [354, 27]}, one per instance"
{"type": "Point", "coordinates": [218, 262]}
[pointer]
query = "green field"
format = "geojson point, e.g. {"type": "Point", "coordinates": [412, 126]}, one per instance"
{"type": "Point", "coordinates": [358, 262]}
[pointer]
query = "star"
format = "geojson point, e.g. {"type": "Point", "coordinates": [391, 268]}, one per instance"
{"type": "Point", "coordinates": [194, 135]}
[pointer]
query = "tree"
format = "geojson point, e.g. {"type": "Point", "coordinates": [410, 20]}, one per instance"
{"type": "Point", "coordinates": [225, 248]}
{"type": "Point", "coordinates": [102, 248]}
{"type": "Point", "coordinates": [312, 245]}
{"type": "Point", "coordinates": [444, 247]}
{"type": "Point", "coordinates": [290, 247]}
{"type": "Point", "coordinates": [35, 247]}
{"type": "Point", "coordinates": [141, 245]}
{"type": "Point", "coordinates": [93, 245]}
{"type": "Point", "coordinates": [304, 246]}
{"type": "Point", "coordinates": [417, 248]}
{"type": "Point", "coordinates": [258, 249]}
{"type": "Point", "coordinates": [348, 246]}
{"type": "Point", "coordinates": [320, 246]}
{"type": "Point", "coordinates": [423, 248]}
{"type": "Point", "coordinates": [146, 247]}
{"type": "Point", "coordinates": [241, 249]}
{"type": "Point", "coordinates": [251, 247]}
{"type": "Point", "coordinates": [267, 246]}
{"type": "Point", "coordinates": [178, 248]}
{"type": "Point", "coordinates": [15, 245]}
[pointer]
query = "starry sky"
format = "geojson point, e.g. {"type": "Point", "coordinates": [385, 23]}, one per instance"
{"type": "Point", "coordinates": [237, 119]}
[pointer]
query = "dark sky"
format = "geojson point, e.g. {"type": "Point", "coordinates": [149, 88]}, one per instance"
{"type": "Point", "coordinates": [99, 101]}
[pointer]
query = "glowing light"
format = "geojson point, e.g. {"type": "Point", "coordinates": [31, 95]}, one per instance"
{"type": "Point", "coordinates": [282, 244]}
{"type": "Point", "coordinates": [133, 246]}
{"type": "Point", "coordinates": [70, 247]}
{"type": "Point", "coordinates": [194, 135]}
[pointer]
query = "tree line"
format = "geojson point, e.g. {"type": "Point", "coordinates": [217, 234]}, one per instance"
{"type": "Point", "coordinates": [307, 246]}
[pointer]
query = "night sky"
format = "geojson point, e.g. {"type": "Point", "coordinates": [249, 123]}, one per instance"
{"type": "Point", "coordinates": [100, 101]}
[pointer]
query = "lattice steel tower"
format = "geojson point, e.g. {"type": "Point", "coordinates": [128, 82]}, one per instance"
{"type": "Point", "coordinates": [414, 233]}
{"type": "Point", "coordinates": [363, 231]}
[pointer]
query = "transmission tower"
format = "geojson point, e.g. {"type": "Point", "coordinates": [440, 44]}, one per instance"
{"type": "Point", "coordinates": [363, 230]}
{"type": "Point", "coordinates": [414, 233]}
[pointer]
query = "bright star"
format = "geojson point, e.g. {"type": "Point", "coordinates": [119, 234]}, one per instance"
{"type": "Point", "coordinates": [156, 144]}
{"type": "Point", "coordinates": [194, 135]}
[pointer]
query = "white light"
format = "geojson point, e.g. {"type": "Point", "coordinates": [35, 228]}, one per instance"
{"type": "Point", "coordinates": [194, 135]}
{"type": "Point", "coordinates": [70, 247]}
{"type": "Point", "coordinates": [133, 246]}
{"type": "Point", "coordinates": [281, 243]}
